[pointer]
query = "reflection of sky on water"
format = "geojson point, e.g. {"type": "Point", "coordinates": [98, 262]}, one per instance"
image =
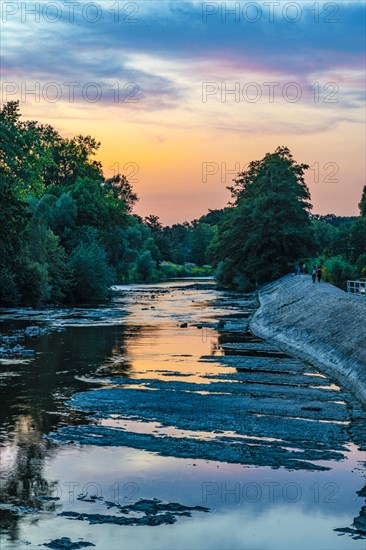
{"type": "Point", "coordinates": [173, 353]}
{"type": "Point", "coordinates": [284, 529]}
{"type": "Point", "coordinates": [251, 507]}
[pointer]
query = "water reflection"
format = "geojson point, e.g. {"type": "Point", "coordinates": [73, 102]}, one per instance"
{"type": "Point", "coordinates": [22, 477]}
{"type": "Point", "coordinates": [41, 386]}
{"type": "Point", "coordinates": [144, 342]}
{"type": "Point", "coordinates": [32, 398]}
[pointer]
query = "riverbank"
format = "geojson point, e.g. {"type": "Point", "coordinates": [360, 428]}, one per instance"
{"type": "Point", "coordinates": [319, 323]}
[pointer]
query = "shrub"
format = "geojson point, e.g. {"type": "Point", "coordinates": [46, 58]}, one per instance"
{"type": "Point", "coordinates": [58, 269]}
{"type": "Point", "coordinates": [92, 275]}
{"type": "Point", "coordinates": [338, 270]}
{"type": "Point", "coordinates": [225, 274]}
{"type": "Point", "coordinates": [33, 283]}
{"type": "Point", "coordinates": [169, 270]}
{"type": "Point", "coordinates": [9, 294]}
{"type": "Point", "coordinates": [145, 266]}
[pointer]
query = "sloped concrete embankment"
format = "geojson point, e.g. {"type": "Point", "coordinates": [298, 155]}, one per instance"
{"type": "Point", "coordinates": [319, 323]}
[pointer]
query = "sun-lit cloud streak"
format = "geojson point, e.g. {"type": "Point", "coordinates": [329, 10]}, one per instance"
{"type": "Point", "coordinates": [153, 107]}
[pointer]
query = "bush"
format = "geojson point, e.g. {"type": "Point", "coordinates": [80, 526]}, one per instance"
{"type": "Point", "coordinates": [58, 269]}
{"type": "Point", "coordinates": [225, 274]}
{"type": "Point", "coordinates": [243, 283]}
{"type": "Point", "coordinates": [169, 270]}
{"type": "Point", "coordinates": [9, 294]}
{"type": "Point", "coordinates": [145, 266]}
{"type": "Point", "coordinates": [361, 265]}
{"type": "Point", "coordinates": [92, 275]}
{"type": "Point", "coordinates": [33, 283]}
{"type": "Point", "coordinates": [337, 271]}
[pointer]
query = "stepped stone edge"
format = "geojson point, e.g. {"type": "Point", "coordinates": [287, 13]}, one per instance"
{"type": "Point", "coordinates": [313, 322]}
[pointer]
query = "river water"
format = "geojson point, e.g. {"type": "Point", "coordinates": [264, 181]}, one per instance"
{"type": "Point", "coordinates": [159, 421]}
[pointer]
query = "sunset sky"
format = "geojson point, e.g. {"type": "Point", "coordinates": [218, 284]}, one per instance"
{"type": "Point", "coordinates": [152, 79]}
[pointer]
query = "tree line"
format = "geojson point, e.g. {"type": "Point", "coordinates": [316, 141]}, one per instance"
{"type": "Point", "coordinates": [67, 233]}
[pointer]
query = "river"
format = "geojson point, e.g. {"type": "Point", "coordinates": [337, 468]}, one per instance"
{"type": "Point", "coordinates": [158, 421]}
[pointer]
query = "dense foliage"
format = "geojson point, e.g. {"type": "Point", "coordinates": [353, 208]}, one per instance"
{"type": "Point", "coordinates": [67, 233]}
{"type": "Point", "coordinates": [268, 227]}
{"type": "Point", "coordinates": [341, 247]}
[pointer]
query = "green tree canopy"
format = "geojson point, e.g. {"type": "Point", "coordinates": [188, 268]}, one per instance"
{"type": "Point", "coordinates": [121, 189]}
{"type": "Point", "coordinates": [268, 228]}
{"type": "Point", "coordinates": [202, 235]}
{"type": "Point", "coordinates": [362, 203]}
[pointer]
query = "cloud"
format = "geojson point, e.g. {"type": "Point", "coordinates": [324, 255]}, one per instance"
{"type": "Point", "coordinates": [190, 31]}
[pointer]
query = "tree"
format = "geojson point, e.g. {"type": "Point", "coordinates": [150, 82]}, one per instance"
{"type": "Point", "coordinates": [25, 151]}
{"type": "Point", "coordinates": [13, 219]}
{"type": "Point", "coordinates": [357, 237]}
{"type": "Point", "coordinates": [63, 217]}
{"type": "Point", "coordinates": [178, 236]}
{"type": "Point", "coordinates": [157, 232]}
{"type": "Point", "coordinates": [92, 275]}
{"type": "Point", "coordinates": [153, 222]}
{"type": "Point", "coordinates": [122, 190]}
{"type": "Point", "coordinates": [202, 235]}
{"type": "Point", "coordinates": [268, 228]}
{"type": "Point", "coordinates": [213, 217]}
{"type": "Point", "coordinates": [72, 159]}
{"type": "Point", "coordinates": [362, 203]}
{"type": "Point", "coordinates": [55, 216]}
{"type": "Point", "coordinates": [145, 266]}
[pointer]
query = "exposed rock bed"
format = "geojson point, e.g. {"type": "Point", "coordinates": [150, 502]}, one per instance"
{"type": "Point", "coordinates": [268, 410]}
{"type": "Point", "coordinates": [143, 512]}
{"type": "Point", "coordinates": [10, 346]}
{"type": "Point", "coordinates": [65, 542]}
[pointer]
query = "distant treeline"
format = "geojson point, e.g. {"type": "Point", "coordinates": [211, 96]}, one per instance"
{"type": "Point", "coordinates": [67, 233]}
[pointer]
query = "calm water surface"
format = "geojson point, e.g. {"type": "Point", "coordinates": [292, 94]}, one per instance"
{"type": "Point", "coordinates": [137, 344]}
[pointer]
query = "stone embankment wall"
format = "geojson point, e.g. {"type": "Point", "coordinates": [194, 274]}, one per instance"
{"type": "Point", "coordinates": [319, 323]}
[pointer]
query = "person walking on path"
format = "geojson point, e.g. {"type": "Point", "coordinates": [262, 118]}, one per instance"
{"type": "Point", "coordinates": [298, 269]}
{"type": "Point", "coordinates": [313, 274]}
{"type": "Point", "coordinates": [319, 273]}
